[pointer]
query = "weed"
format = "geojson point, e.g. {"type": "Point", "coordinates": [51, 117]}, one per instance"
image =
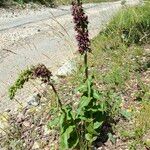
{"type": "Point", "coordinates": [79, 129]}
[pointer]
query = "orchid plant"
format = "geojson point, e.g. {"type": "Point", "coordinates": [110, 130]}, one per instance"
{"type": "Point", "coordinates": [78, 128]}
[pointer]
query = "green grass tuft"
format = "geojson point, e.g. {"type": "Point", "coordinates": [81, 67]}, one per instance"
{"type": "Point", "coordinates": [131, 25]}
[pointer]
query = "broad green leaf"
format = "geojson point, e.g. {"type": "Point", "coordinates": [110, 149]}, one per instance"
{"type": "Point", "coordinates": [62, 121]}
{"type": "Point", "coordinates": [81, 117]}
{"type": "Point", "coordinates": [90, 129]}
{"type": "Point", "coordinates": [73, 141]}
{"type": "Point", "coordinates": [97, 124]}
{"type": "Point", "coordinates": [68, 112]}
{"type": "Point", "coordinates": [103, 106]}
{"type": "Point", "coordinates": [84, 101]}
{"type": "Point", "coordinates": [65, 136]}
{"type": "Point", "coordinates": [90, 137]}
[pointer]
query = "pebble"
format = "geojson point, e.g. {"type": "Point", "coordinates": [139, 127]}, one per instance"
{"type": "Point", "coordinates": [34, 100]}
{"type": "Point", "coordinates": [35, 146]}
{"type": "Point", "coordinates": [99, 144]}
{"type": "Point", "coordinates": [26, 123]}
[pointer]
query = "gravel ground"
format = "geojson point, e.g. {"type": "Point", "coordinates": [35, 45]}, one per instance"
{"type": "Point", "coordinates": [16, 11]}
{"type": "Point", "coordinates": [14, 33]}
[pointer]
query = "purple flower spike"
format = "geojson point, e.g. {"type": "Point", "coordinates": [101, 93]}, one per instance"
{"type": "Point", "coordinates": [81, 27]}
{"type": "Point", "coordinates": [40, 71]}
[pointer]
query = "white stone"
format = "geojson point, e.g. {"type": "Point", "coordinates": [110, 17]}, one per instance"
{"type": "Point", "coordinates": [34, 100]}
{"type": "Point", "coordinates": [35, 145]}
{"type": "Point", "coordinates": [66, 69]}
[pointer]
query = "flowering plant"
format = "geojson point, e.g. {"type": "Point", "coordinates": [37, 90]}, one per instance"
{"type": "Point", "coordinates": [80, 128]}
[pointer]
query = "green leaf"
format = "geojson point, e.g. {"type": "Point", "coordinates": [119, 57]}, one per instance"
{"type": "Point", "coordinates": [90, 129]}
{"type": "Point", "coordinates": [97, 124]}
{"type": "Point", "coordinates": [103, 106]}
{"type": "Point", "coordinates": [90, 80]}
{"type": "Point", "coordinates": [20, 2]}
{"type": "Point", "coordinates": [96, 94]}
{"type": "Point", "coordinates": [81, 116]}
{"type": "Point", "coordinates": [65, 136]}
{"type": "Point", "coordinates": [99, 108]}
{"type": "Point", "coordinates": [68, 112]}
{"type": "Point", "coordinates": [73, 140]}
{"type": "Point", "coordinates": [147, 143]}
{"type": "Point", "coordinates": [89, 137]}
{"type": "Point", "coordinates": [84, 101]}
{"type": "Point", "coordinates": [82, 88]}
{"type": "Point", "coordinates": [62, 121]}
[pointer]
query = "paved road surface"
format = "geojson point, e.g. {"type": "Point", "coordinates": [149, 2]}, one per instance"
{"type": "Point", "coordinates": [46, 37]}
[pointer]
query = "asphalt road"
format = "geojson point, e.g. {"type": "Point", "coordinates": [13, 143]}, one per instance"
{"type": "Point", "coordinates": [46, 37]}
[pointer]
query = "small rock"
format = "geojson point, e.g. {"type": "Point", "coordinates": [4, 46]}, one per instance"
{"type": "Point", "coordinates": [99, 144]}
{"type": "Point", "coordinates": [94, 148]}
{"type": "Point", "coordinates": [47, 148]}
{"type": "Point", "coordinates": [26, 123]}
{"type": "Point", "coordinates": [20, 117]}
{"type": "Point", "coordinates": [35, 146]}
{"type": "Point", "coordinates": [102, 148]}
{"type": "Point", "coordinates": [66, 69]}
{"type": "Point", "coordinates": [34, 100]}
{"type": "Point", "coordinates": [46, 130]}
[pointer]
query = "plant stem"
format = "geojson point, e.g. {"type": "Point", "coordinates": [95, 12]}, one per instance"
{"type": "Point", "coordinates": [86, 65]}
{"type": "Point", "coordinates": [57, 96]}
